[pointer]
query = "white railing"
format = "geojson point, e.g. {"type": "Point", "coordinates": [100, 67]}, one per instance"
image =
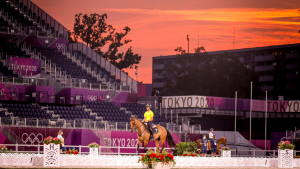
{"type": "Point", "coordinates": [79, 148]}
{"type": "Point", "coordinates": [75, 124]}
{"type": "Point", "coordinates": [103, 150]}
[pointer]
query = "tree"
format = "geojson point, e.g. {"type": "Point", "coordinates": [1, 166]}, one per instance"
{"type": "Point", "coordinates": [181, 51]}
{"type": "Point", "coordinates": [203, 74]}
{"type": "Point", "coordinates": [96, 33]}
{"type": "Point", "coordinates": [200, 49]}
{"type": "Point", "coordinates": [70, 38]}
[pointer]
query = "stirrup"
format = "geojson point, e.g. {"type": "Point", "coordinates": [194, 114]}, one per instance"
{"type": "Point", "coordinates": [151, 137]}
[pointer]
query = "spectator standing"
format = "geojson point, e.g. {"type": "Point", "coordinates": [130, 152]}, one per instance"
{"type": "Point", "coordinates": [59, 136]}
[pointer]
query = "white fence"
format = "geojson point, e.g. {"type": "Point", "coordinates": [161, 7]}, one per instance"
{"type": "Point", "coordinates": [117, 150]}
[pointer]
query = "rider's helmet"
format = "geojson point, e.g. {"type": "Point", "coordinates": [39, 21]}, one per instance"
{"type": "Point", "coordinates": [148, 105]}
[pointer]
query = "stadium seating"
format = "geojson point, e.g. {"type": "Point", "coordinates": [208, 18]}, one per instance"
{"type": "Point", "coordinates": [21, 110]}
{"type": "Point", "coordinates": [95, 67]}
{"type": "Point", "coordinates": [9, 49]}
{"type": "Point", "coordinates": [65, 64]}
{"type": "Point", "coordinates": [108, 111]}
{"type": "Point", "coordinates": [15, 16]}
{"type": "Point", "coordinates": [4, 70]}
{"type": "Point", "coordinates": [18, 14]}
{"type": "Point", "coordinates": [140, 109]}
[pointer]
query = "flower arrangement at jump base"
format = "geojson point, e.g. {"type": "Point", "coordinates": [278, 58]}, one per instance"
{"type": "Point", "coordinates": [54, 140]}
{"type": "Point", "coordinates": [94, 144]}
{"type": "Point", "coordinates": [285, 145]}
{"type": "Point", "coordinates": [285, 154]}
{"type": "Point", "coordinates": [225, 149]}
{"type": "Point", "coordinates": [3, 149]}
{"type": "Point", "coordinates": [189, 154]}
{"type": "Point", "coordinates": [151, 159]}
{"type": "Point", "coordinates": [75, 152]}
{"type": "Point", "coordinates": [297, 156]}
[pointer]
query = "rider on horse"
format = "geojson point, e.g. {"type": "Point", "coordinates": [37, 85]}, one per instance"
{"type": "Point", "coordinates": [148, 118]}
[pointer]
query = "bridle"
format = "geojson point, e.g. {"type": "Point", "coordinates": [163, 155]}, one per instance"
{"type": "Point", "coordinates": [134, 125]}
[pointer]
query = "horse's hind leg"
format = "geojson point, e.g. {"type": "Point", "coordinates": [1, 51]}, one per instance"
{"type": "Point", "coordinates": [138, 147]}
{"type": "Point", "coordinates": [157, 145]}
{"type": "Point", "coordinates": [162, 144]}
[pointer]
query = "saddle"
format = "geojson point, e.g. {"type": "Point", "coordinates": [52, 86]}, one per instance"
{"type": "Point", "coordinates": [153, 128]}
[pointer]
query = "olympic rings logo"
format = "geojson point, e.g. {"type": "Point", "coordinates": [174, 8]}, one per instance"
{"type": "Point", "coordinates": [33, 139]}
{"type": "Point", "coordinates": [92, 98]}
{"type": "Point", "coordinates": [60, 46]}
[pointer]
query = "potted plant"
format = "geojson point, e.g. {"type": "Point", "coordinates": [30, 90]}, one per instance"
{"type": "Point", "coordinates": [226, 152]}
{"type": "Point", "coordinates": [186, 147]}
{"type": "Point", "coordinates": [285, 154]}
{"type": "Point", "coordinates": [189, 154]}
{"type": "Point", "coordinates": [94, 148]}
{"type": "Point", "coordinates": [51, 151]}
{"type": "Point", "coordinates": [75, 152]}
{"type": "Point", "coordinates": [3, 149]}
{"type": "Point", "coordinates": [157, 160]}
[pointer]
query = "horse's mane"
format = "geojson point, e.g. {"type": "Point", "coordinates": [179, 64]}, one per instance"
{"type": "Point", "coordinates": [141, 122]}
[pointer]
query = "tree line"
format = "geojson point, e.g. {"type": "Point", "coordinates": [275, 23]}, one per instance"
{"type": "Point", "coordinates": [94, 31]}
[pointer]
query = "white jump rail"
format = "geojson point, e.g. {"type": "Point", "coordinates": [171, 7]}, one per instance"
{"type": "Point", "coordinates": [16, 148]}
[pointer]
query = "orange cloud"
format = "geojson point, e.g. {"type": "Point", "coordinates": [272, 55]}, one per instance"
{"type": "Point", "coordinates": [158, 29]}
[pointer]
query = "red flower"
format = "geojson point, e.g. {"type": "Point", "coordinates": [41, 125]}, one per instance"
{"type": "Point", "coordinates": [167, 161]}
{"type": "Point", "coordinates": [142, 155]}
{"type": "Point", "coordinates": [150, 161]}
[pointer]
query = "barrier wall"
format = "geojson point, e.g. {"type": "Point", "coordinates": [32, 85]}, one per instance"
{"type": "Point", "coordinates": [229, 103]}
{"type": "Point", "coordinates": [83, 137]}
{"type": "Point", "coordinates": [18, 92]}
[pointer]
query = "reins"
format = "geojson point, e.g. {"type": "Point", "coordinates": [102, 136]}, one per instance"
{"type": "Point", "coordinates": [139, 127]}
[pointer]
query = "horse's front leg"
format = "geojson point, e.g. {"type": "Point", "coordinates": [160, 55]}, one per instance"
{"type": "Point", "coordinates": [138, 147]}
{"type": "Point", "coordinates": [145, 146]}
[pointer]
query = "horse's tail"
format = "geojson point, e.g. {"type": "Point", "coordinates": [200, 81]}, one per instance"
{"type": "Point", "coordinates": [170, 140]}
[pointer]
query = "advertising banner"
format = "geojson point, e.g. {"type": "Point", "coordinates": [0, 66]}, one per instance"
{"type": "Point", "coordinates": [24, 66]}
{"type": "Point", "coordinates": [74, 137]}
{"type": "Point", "coordinates": [229, 103]}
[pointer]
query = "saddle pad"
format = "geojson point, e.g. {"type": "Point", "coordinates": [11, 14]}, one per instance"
{"type": "Point", "coordinates": [154, 129]}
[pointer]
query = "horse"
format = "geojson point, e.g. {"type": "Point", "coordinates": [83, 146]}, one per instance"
{"type": "Point", "coordinates": [144, 135]}
{"type": "Point", "coordinates": [220, 141]}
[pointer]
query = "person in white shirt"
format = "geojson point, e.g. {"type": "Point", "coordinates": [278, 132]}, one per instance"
{"type": "Point", "coordinates": [211, 134]}
{"type": "Point", "coordinates": [59, 136]}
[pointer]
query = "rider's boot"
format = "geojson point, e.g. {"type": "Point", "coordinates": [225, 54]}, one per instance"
{"type": "Point", "coordinates": [151, 134]}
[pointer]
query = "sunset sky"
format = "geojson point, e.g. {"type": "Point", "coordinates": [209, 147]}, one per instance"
{"type": "Point", "coordinates": [160, 26]}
